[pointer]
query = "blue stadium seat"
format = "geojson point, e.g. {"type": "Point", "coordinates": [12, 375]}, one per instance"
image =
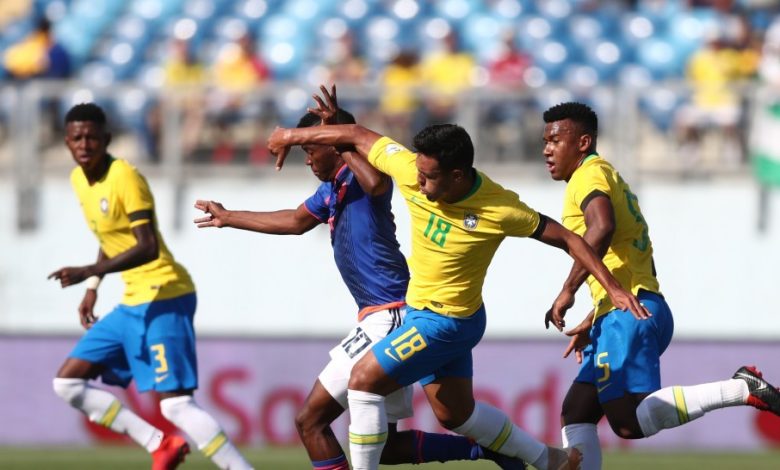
{"type": "Point", "coordinates": [457, 10]}
{"type": "Point", "coordinates": [660, 58]}
{"type": "Point", "coordinates": [482, 33]}
{"type": "Point", "coordinates": [660, 104]}
{"type": "Point", "coordinates": [605, 56]}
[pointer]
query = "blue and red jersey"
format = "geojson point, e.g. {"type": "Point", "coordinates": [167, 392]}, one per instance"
{"type": "Point", "coordinates": [362, 233]}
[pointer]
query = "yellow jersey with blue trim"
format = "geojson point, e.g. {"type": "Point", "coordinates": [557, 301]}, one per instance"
{"type": "Point", "coordinates": [106, 205]}
{"type": "Point", "coordinates": [630, 254]}
{"type": "Point", "coordinates": [452, 243]}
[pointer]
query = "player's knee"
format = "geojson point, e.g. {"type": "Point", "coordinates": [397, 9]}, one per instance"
{"type": "Point", "coordinates": [70, 390]}
{"type": "Point", "coordinates": [307, 422]}
{"type": "Point", "coordinates": [626, 429]}
{"type": "Point", "coordinates": [360, 377]}
{"type": "Point", "coordinates": [173, 407]}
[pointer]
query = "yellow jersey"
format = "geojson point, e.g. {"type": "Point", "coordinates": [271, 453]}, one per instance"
{"type": "Point", "coordinates": [452, 244]}
{"type": "Point", "coordinates": [630, 254]}
{"type": "Point", "coordinates": [106, 206]}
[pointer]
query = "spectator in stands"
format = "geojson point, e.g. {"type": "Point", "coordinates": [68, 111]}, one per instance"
{"type": "Point", "coordinates": [445, 74]}
{"type": "Point", "coordinates": [185, 78]}
{"type": "Point", "coordinates": [505, 107]}
{"type": "Point", "coordinates": [38, 55]}
{"type": "Point", "coordinates": [400, 81]}
{"type": "Point", "coordinates": [346, 66]}
{"type": "Point", "coordinates": [713, 73]}
{"type": "Point", "coordinates": [237, 73]}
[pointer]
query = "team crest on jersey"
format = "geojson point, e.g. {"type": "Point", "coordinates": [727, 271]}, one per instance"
{"type": "Point", "coordinates": [470, 221]}
{"type": "Point", "coordinates": [104, 205]}
{"type": "Point", "coordinates": [393, 149]}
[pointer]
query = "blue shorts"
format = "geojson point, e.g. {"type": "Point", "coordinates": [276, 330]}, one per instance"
{"type": "Point", "coordinates": [625, 353]}
{"type": "Point", "coordinates": [429, 346]}
{"type": "Point", "coordinates": [153, 343]}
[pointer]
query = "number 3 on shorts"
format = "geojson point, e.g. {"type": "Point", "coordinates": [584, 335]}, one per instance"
{"type": "Point", "coordinates": [159, 356]}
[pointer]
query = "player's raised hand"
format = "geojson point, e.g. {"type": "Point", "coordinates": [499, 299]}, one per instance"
{"type": "Point", "coordinates": [562, 304]}
{"type": "Point", "coordinates": [70, 275]}
{"type": "Point", "coordinates": [326, 109]}
{"type": "Point", "coordinates": [278, 144]}
{"type": "Point", "coordinates": [215, 214]}
{"type": "Point", "coordinates": [580, 339]}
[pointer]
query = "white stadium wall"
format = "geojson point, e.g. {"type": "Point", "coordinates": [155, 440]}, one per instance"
{"type": "Point", "coordinates": [719, 274]}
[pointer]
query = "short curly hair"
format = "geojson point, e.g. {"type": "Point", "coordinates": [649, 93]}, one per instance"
{"type": "Point", "coordinates": [581, 114]}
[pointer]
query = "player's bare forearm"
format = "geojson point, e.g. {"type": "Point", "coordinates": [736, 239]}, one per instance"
{"type": "Point", "coordinates": [361, 138]}
{"type": "Point", "coordinates": [597, 239]}
{"type": "Point", "coordinates": [283, 222]}
{"type": "Point", "coordinates": [600, 226]}
{"type": "Point", "coordinates": [372, 181]}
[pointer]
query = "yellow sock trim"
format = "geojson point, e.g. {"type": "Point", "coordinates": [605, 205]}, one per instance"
{"type": "Point", "coordinates": [682, 408]}
{"type": "Point", "coordinates": [215, 444]}
{"type": "Point", "coordinates": [502, 437]}
{"type": "Point", "coordinates": [367, 439]}
{"type": "Point", "coordinates": [108, 418]}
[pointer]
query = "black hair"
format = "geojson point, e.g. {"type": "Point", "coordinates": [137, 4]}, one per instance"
{"type": "Point", "coordinates": [581, 114]}
{"type": "Point", "coordinates": [86, 112]}
{"type": "Point", "coordinates": [342, 117]}
{"type": "Point", "coordinates": [449, 144]}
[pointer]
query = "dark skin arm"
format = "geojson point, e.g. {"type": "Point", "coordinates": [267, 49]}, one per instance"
{"type": "Point", "coordinates": [371, 181]}
{"type": "Point", "coordinates": [361, 138]}
{"type": "Point", "coordinates": [600, 226]}
{"type": "Point", "coordinates": [554, 234]}
{"type": "Point", "coordinates": [147, 249]}
{"type": "Point", "coordinates": [87, 315]}
{"type": "Point", "coordinates": [283, 222]}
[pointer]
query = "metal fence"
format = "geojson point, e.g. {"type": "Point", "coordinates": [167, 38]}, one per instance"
{"type": "Point", "coordinates": [178, 133]}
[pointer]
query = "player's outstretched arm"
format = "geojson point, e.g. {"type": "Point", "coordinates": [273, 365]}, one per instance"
{"type": "Point", "coordinates": [146, 249]}
{"type": "Point", "coordinates": [283, 222]}
{"type": "Point", "coordinates": [555, 234]}
{"type": "Point", "coordinates": [282, 139]}
{"type": "Point", "coordinates": [600, 226]}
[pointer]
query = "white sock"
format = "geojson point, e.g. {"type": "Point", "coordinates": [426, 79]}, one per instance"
{"type": "Point", "coordinates": [204, 430]}
{"type": "Point", "coordinates": [584, 436]}
{"type": "Point", "coordinates": [104, 409]}
{"type": "Point", "coordinates": [491, 428]}
{"type": "Point", "coordinates": [367, 429]}
{"type": "Point", "coordinates": [672, 406]}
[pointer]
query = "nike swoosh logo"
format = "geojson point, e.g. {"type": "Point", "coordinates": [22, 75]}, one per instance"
{"type": "Point", "coordinates": [387, 351]}
{"type": "Point", "coordinates": [750, 378]}
{"type": "Point", "coordinates": [601, 389]}
{"type": "Point", "coordinates": [160, 378]}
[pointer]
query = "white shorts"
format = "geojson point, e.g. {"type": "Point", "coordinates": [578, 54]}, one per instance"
{"type": "Point", "coordinates": [335, 376]}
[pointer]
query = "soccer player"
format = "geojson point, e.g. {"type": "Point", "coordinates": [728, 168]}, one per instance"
{"type": "Point", "coordinates": [355, 203]}
{"type": "Point", "coordinates": [620, 373]}
{"type": "Point", "coordinates": [149, 336]}
{"type": "Point", "coordinates": [459, 218]}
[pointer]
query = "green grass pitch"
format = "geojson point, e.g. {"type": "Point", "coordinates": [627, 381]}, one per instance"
{"type": "Point", "coordinates": [129, 458]}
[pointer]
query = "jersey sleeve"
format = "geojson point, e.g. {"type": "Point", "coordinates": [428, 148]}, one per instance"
{"type": "Point", "coordinates": [135, 194]}
{"type": "Point", "coordinates": [587, 182]}
{"type": "Point", "coordinates": [520, 219]}
{"type": "Point", "coordinates": [395, 160]}
{"type": "Point", "coordinates": [317, 203]}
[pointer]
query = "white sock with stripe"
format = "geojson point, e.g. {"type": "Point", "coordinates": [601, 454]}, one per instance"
{"type": "Point", "coordinates": [585, 437]}
{"type": "Point", "coordinates": [105, 409]}
{"type": "Point", "coordinates": [204, 430]}
{"type": "Point", "coordinates": [491, 428]}
{"type": "Point", "coordinates": [672, 406]}
{"type": "Point", "coordinates": [367, 429]}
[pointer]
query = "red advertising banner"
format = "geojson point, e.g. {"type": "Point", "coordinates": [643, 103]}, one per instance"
{"type": "Point", "coordinates": [255, 386]}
